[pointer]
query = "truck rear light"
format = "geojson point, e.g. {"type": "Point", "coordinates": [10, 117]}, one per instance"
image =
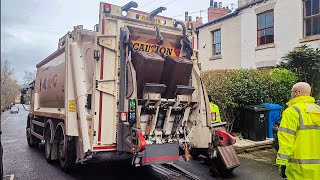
{"type": "Point", "coordinates": [107, 8]}
{"type": "Point", "coordinates": [123, 116]}
{"type": "Point", "coordinates": [190, 25]}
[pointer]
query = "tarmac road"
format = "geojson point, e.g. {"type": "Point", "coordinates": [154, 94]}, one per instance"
{"type": "Point", "coordinates": [26, 163]}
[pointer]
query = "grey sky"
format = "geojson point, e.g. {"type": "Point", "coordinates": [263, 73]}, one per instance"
{"type": "Point", "coordinates": [30, 29]}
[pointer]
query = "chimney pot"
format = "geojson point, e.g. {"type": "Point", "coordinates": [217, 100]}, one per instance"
{"type": "Point", "coordinates": [215, 4]}
{"type": "Point", "coordinates": [186, 16]}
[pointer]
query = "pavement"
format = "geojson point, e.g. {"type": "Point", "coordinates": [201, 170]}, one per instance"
{"type": "Point", "coordinates": [246, 145]}
{"type": "Point", "coordinates": [24, 163]}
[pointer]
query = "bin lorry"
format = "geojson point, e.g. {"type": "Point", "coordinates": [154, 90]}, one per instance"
{"type": "Point", "coordinates": [129, 89]}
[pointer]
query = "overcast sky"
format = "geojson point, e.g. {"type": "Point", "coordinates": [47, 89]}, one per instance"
{"type": "Point", "coordinates": [30, 29]}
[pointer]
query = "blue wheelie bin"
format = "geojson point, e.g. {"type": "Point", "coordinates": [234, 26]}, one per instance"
{"type": "Point", "coordinates": [274, 116]}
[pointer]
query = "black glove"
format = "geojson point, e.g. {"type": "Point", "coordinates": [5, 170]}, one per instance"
{"type": "Point", "coordinates": [282, 171]}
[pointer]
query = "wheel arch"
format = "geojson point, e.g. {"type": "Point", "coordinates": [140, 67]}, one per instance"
{"type": "Point", "coordinates": [49, 126]}
{"type": "Point", "coordinates": [60, 127]}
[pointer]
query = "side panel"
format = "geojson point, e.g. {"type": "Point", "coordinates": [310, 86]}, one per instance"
{"type": "Point", "coordinates": [105, 120]}
{"type": "Point", "coordinates": [50, 82]}
{"type": "Point", "coordinates": [70, 102]}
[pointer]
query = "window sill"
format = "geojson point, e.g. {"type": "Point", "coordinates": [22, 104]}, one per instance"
{"type": "Point", "coordinates": [265, 46]}
{"type": "Point", "coordinates": [215, 57]}
{"type": "Point", "coordinates": [310, 38]}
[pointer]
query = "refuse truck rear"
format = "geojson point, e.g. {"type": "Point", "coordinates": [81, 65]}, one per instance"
{"type": "Point", "coordinates": [129, 89]}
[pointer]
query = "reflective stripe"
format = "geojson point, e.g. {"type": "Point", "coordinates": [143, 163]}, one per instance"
{"type": "Point", "coordinates": [309, 127]}
{"type": "Point", "coordinates": [304, 127]}
{"type": "Point", "coordinates": [287, 130]}
{"type": "Point", "coordinates": [282, 156]}
{"type": "Point", "coordinates": [305, 161]}
{"type": "Point", "coordinates": [300, 115]}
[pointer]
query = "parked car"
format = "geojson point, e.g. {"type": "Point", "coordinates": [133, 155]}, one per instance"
{"type": "Point", "coordinates": [14, 109]}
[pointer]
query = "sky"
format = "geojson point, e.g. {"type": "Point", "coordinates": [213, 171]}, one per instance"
{"type": "Point", "coordinates": [30, 29]}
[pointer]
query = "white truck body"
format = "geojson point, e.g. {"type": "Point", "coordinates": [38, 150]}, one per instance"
{"type": "Point", "coordinates": [85, 98]}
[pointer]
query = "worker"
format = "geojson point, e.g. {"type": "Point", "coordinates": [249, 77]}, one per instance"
{"type": "Point", "coordinates": [215, 114]}
{"type": "Point", "coordinates": [299, 136]}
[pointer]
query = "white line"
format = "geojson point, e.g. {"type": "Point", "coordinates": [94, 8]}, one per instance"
{"type": "Point", "coordinates": [4, 121]}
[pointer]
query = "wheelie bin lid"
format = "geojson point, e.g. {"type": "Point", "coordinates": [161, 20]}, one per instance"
{"type": "Point", "coordinates": [256, 108]}
{"type": "Point", "coordinates": [272, 106]}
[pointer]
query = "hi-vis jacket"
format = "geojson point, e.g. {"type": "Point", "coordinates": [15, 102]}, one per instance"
{"type": "Point", "coordinates": [215, 114]}
{"type": "Point", "coordinates": [299, 139]}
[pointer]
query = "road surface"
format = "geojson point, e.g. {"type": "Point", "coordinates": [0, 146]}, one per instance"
{"type": "Point", "coordinates": [27, 164]}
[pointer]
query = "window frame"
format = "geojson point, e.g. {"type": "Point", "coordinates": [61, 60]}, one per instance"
{"type": "Point", "coordinates": [265, 27]}
{"type": "Point", "coordinates": [214, 52]}
{"type": "Point", "coordinates": [305, 17]}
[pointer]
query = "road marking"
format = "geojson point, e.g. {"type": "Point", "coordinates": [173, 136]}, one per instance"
{"type": "Point", "coordinates": [4, 121]}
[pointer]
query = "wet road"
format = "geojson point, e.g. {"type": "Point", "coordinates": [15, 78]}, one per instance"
{"type": "Point", "coordinates": [27, 163]}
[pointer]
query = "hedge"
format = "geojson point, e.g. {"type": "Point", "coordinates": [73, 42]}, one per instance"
{"type": "Point", "coordinates": [233, 89]}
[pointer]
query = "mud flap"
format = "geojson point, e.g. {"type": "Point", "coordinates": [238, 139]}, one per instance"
{"type": "Point", "coordinates": [160, 153]}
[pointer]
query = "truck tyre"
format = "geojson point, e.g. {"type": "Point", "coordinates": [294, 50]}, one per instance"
{"type": "Point", "coordinates": [47, 145]}
{"type": "Point", "coordinates": [66, 153]}
{"type": "Point", "coordinates": [33, 142]}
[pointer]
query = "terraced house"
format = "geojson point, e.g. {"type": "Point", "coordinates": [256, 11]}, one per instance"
{"type": "Point", "coordinates": [258, 33]}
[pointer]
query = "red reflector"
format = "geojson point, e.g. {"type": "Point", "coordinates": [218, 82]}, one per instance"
{"type": "Point", "coordinates": [162, 158]}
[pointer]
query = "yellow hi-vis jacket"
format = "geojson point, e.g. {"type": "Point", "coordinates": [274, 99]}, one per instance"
{"type": "Point", "coordinates": [299, 139]}
{"type": "Point", "coordinates": [215, 114]}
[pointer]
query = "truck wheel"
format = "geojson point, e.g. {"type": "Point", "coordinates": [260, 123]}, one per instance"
{"type": "Point", "coordinates": [47, 146]}
{"type": "Point", "coordinates": [33, 142]}
{"type": "Point", "coordinates": [66, 153]}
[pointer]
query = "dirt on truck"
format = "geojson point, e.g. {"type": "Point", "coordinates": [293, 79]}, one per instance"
{"type": "Point", "coordinates": [129, 89]}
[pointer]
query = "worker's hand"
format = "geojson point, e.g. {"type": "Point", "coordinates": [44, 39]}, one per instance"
{"type": "Point", "coordinates": [275, 129]}
{"type": "Point", "coordinates": [282, 171]}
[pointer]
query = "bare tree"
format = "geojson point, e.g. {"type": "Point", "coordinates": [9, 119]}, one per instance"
{"type": "Point", "coordinates": [9, 85]}
{"type": "Point", "coordinates": [29, 77]}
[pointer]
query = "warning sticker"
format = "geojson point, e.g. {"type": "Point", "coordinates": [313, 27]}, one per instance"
{"type": "Point", "coordinates": [72, 106]}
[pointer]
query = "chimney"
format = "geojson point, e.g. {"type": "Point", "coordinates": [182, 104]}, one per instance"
{"type": "Point", "coordinates": [199, 19]}
{"type": "Point", "coordinates": [198, 22]}
{"type": "Point", "coordinates": [211, 3]}
{"type": "Point", "coordinates": [216, 11]}
{"type": "Point", "coordinates": [186, 16]}
{"type": "Point", "coordinates": [243, 2]}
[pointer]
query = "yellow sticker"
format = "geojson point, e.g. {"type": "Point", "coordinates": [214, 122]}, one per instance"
{"type": "Point", "coordinates": [72, 106]}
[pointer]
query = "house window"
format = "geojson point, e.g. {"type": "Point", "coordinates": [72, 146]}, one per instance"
{"type": "Point", "coordinates": [311, 17]}
{"type": "Point", "coordinates": [265, 28]}
{"type": "Point", "coordinates": [216, 42]}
